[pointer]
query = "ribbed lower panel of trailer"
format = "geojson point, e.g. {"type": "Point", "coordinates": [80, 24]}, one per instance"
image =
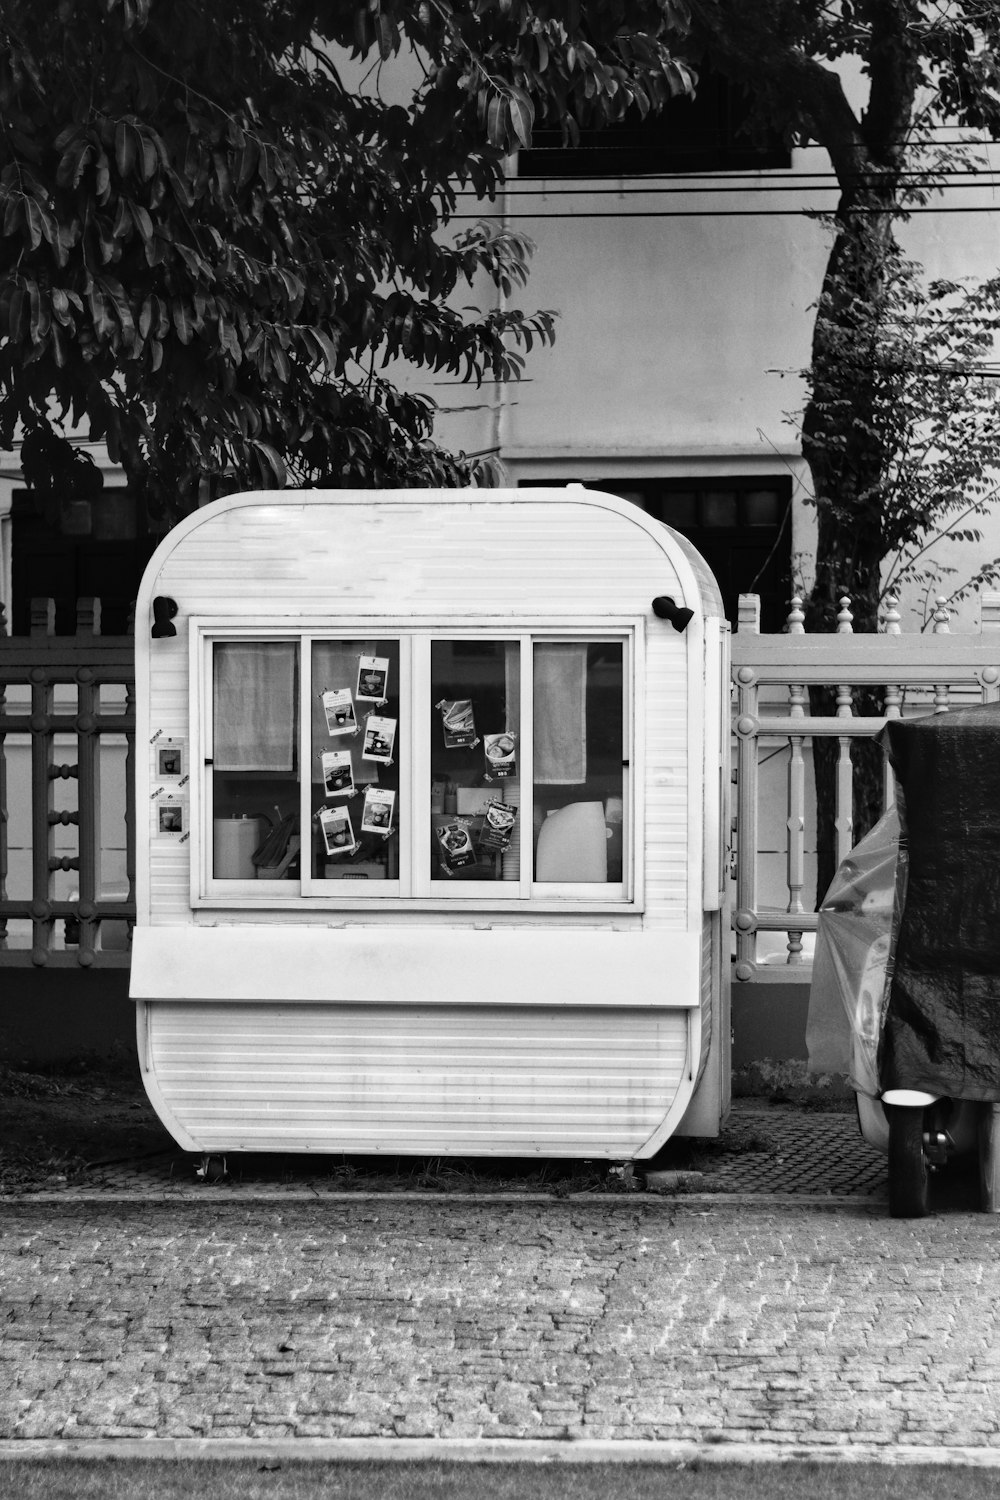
{"type": "Point", "coordinates": [440, 1079]}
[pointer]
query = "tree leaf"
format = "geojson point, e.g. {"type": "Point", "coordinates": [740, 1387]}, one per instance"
{"type": "Point", "coordinates": [125, 144]}
{"type": "Point", "coordinates": [33, 222]}
{"type": "Point", "coordinates": [270, 465]}
{"type": "Point", "coordinates": [522, 116]}
{"type": "Point", "coordinates": [150, 156]}
{"type": "Point", "coordinates": [122, 226]}
{"type": "Point", "coordinates": [497, 120]}
{"type": "Point", "coordinates": [183, 323]}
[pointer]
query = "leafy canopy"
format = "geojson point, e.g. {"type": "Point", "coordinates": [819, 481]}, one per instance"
{"type": "Point", "coordinates": [212, 247]}
{"type": "Point", "coordinates": [879, 335]}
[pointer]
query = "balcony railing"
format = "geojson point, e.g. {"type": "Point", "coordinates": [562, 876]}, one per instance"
{"type": "Point", "coordinates": [775, 840]}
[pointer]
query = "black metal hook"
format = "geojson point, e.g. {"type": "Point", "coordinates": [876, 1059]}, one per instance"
{"type": "Point", "coordinates": [666, 609]}
{"type": "Point", "coordinates": [164, 610]}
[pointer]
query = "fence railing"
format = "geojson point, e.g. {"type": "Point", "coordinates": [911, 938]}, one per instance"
{"type": "Point", "coordinates": [67, 745]}
{"type": "Point", "coordinates": [67, 742]}
{"type": "Point", "coordinates": [774, 848]}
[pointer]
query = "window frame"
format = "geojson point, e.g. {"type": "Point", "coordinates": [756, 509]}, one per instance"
{"type": "Point", "coordinates": [415, 891]}
{"type": "Point", "coordinates": [700, 135]}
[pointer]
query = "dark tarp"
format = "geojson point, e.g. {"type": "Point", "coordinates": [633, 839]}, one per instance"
{"type": "Point", "coordinates": [942, 1023]}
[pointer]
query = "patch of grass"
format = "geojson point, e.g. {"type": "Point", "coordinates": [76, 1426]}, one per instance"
{"type": "Point", "coordinates": [253, 1479]}
{"type": "Point", "coordinates": [454, 1175]}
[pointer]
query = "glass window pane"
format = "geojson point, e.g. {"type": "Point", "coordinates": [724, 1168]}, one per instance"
{"type": "Point", "coordinates": [255, 781]}
{"type": "Point", "coordinates": [475, 746]}
{"type": "Point", "coordinates": [578, 739]}
{"type": "Point", "coordinates": [356, 748]}
{"type": "Point", "coordinates": [718, 508]}
{"type": "Point", "coordinates": [679, 508]}
{"type": "Point", "coordinates": [761, 508]}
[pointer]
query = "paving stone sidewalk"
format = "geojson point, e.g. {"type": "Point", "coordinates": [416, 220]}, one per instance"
{"type": "Point", "coordinates": [729, 1320]}
{"type": "Point", "coordinates": [765, 1297]}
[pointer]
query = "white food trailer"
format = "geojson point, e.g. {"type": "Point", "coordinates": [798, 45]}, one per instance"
{"type": "Point", "coordinates": [434, 852]}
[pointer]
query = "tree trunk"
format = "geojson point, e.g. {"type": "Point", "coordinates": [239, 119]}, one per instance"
{"type": "Point", "coordinates": [841, 443]}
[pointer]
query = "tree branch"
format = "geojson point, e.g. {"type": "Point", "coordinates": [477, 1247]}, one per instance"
{"type": "Point", "coordinates": [754, 42]}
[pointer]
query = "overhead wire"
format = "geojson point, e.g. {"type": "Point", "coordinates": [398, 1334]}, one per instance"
{"type": "Point", "coordinates": [757, 184]}
{"type": "Point", "coordinates": [748, 183]}
{"type": "Point", "coordinates": [761, 180]}
{"type": "Point", "coordinates": [718, 213]}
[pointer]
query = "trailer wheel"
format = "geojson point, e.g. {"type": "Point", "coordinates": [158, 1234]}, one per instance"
{"type": "Point", "coordinates": [212, 1168]}
{"type": "Point", "coordinates": [909, 1171]}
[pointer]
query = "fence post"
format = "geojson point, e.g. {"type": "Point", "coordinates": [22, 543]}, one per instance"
{"type": "Point", "coordinates": [844, 810]}
{"type": "Point", "coordinates": [43, 624]}
{"type": "Point", "coordinates": [88, 625]}
{"type": "Point", "coordinates": [989, 612]}
{"type": "Point", "coordinates": [989, 624]}
{"type": "Point", "coordinates": [744, 917]}
{"type": "Point", "coordinates": [796, 821]}
{"type": "Point", "coordinates": [4, 854]}
{"type": "Point", "coordinates": [130, 785]}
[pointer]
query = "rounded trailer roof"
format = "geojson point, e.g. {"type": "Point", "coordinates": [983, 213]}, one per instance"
{"type": "Point", "coordinates": [230, 521]}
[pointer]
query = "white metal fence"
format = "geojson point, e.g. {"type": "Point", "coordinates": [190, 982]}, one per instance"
{"type": "Point", "coordinates": [774, 860]}
{"type": "Point", "coordinates": [774, 863]}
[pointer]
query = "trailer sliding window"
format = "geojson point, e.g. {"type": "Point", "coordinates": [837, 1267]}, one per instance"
{"type": "Point", "coordinates": [458, 768]}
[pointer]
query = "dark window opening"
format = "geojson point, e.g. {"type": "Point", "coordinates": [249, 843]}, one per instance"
{"type": "Point", "coordinates": [76, 550]}
{"type": "Point", "coordinates": [706, 133]}
{"type": "Point", "coordinates": [741, 526]}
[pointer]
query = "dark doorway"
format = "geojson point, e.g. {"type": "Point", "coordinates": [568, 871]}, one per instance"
{"type": "Point", "coordinates": [742, 527]}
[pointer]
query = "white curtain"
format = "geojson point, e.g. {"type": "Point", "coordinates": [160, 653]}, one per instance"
{"type": "Point", "coordinates": [255, 711]}
{"type": "Point", "coordinates": [560, 713]}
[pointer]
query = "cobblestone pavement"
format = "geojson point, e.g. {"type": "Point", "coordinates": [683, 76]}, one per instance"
{"type": "Point", "coordinates": [728, 1317]}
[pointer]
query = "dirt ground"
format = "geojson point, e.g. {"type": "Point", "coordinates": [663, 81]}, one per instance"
{"type": "Point", "coordinates": [57, 1125]}
{"type": "Point", "coordinates": [54, 1125]}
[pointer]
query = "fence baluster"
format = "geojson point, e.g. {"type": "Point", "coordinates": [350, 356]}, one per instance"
{"type": "Point", "coordinates": [796, 823]}
{"type": "Point", "coordinates": [747, 826]}
{"type": "Point", "coordinates": [942, 696]}
{"type": "Point", "coordinates": [4, 855]}
{"type": "Point", "coordinates": [844, 810]}
{"type": "Point", "coordinates": [893, 699]}
{"type": "Point", "coordinates": [892, 616]}
{"type": "Point", "coordinates": [42, 614]}
{"type": "Point", "coordinates": [88, 624]}
{"type": "Point", "coordinates": [844, 819]}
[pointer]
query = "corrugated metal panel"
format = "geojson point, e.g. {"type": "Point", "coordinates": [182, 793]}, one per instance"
{"type": "Point", "coordinates": [420, 1080]}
